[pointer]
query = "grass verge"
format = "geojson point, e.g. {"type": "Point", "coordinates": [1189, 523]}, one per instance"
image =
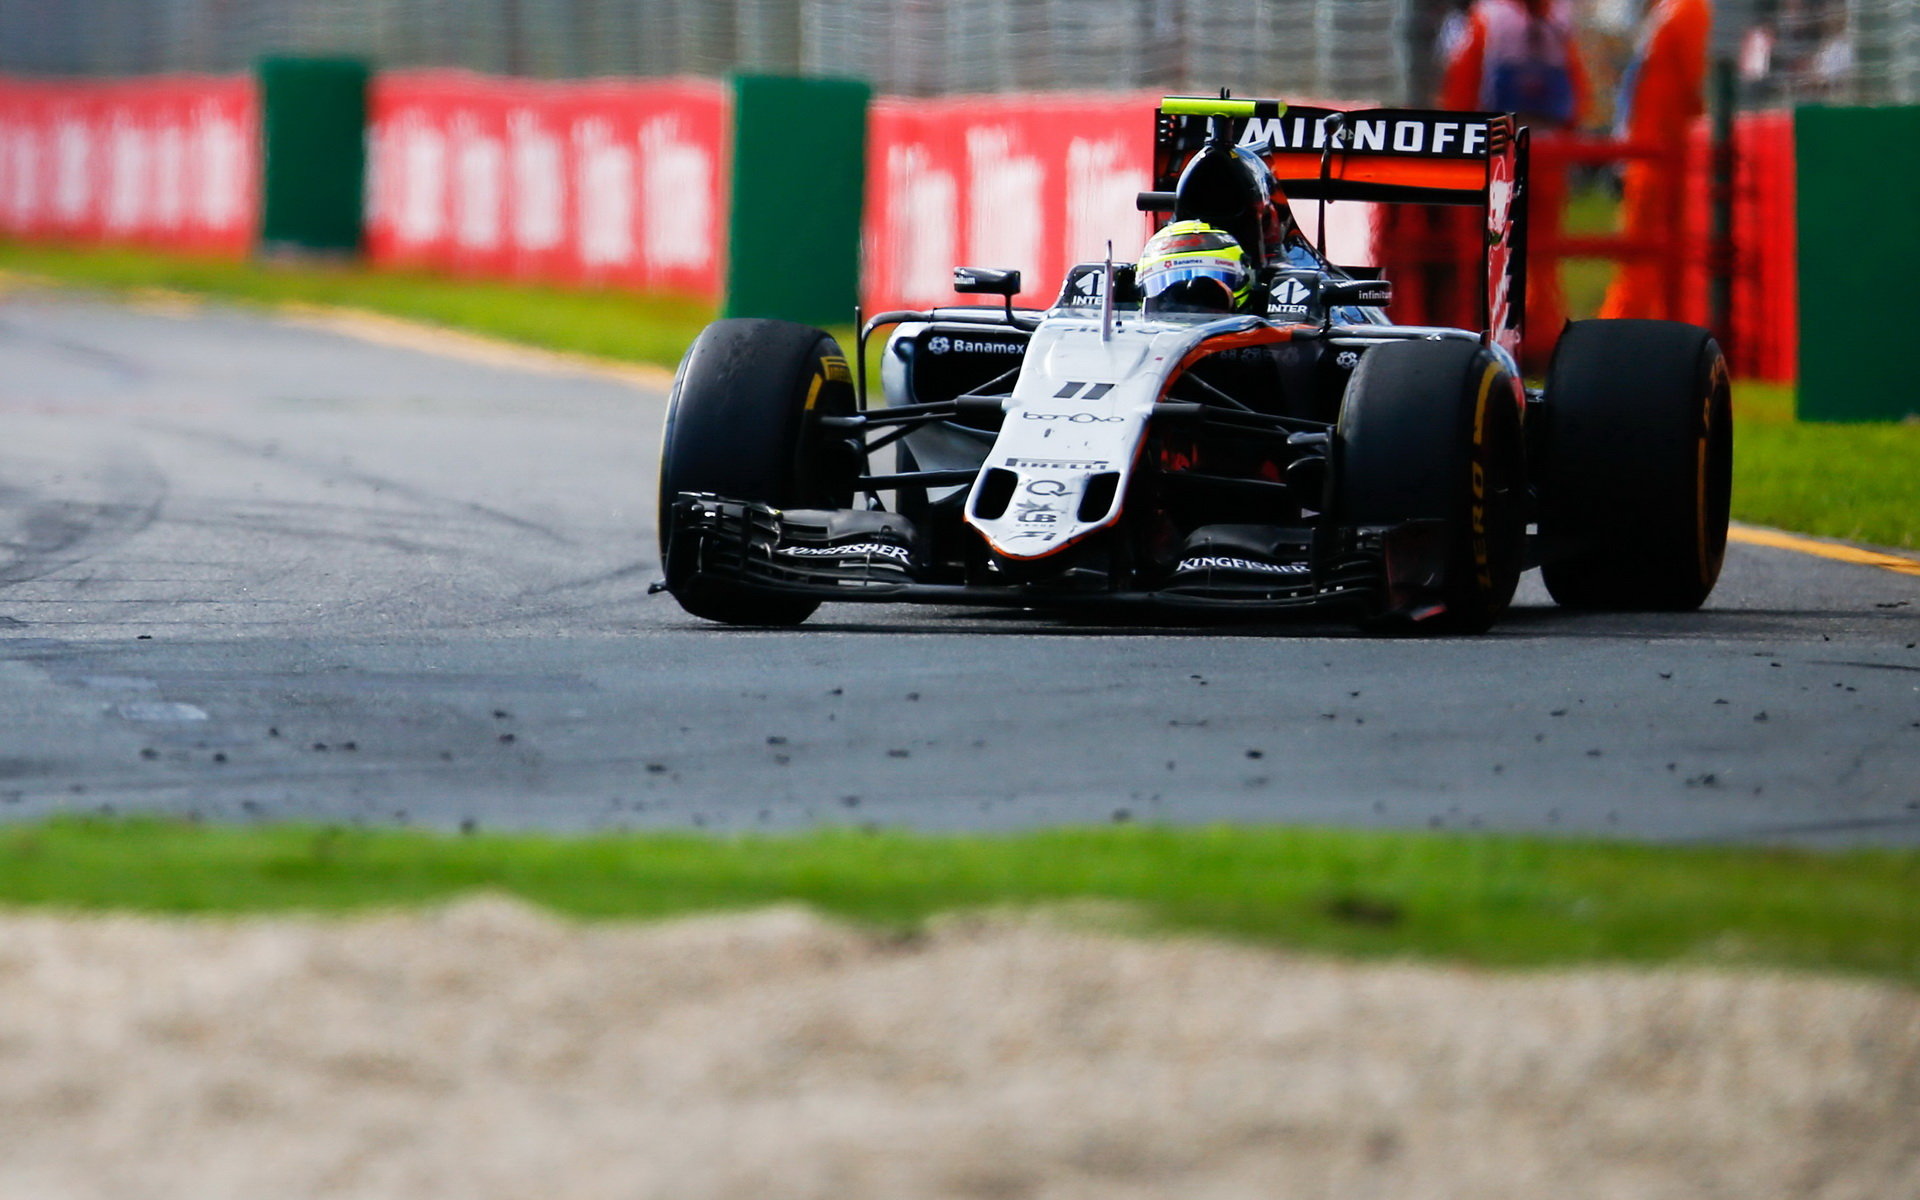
{"type": "Point", "coordinates": [1856, 482]}
{"type": "Point", "coordinates": [1860, 481]}
{"type": "Point", "coordinates": [1584, 281]}
{"type": "Point", "coordinates": [1492, 901]}
{"type": "Point", "coordinates": [609, 324]}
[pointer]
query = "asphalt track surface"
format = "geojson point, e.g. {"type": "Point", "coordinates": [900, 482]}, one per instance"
{"type": "Point", "coordinates": [251, 569]}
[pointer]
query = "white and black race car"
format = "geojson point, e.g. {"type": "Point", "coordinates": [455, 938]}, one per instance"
{"type": "Point", "coordinates": [1301, 452]}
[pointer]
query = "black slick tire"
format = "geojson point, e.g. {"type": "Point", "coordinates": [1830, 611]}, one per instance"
{"type": "Point", "coordinates": [740, 425]}
{"type": "Point", "coordinates": [1429, 431]}
{"type": "Point", "coordinates": [1637, 466]}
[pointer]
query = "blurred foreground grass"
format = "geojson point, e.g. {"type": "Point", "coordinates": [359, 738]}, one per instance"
{"type": "Point", "coordinates": [1487, 900]}
{"type": "Point", "coordinates": [1860, 482]}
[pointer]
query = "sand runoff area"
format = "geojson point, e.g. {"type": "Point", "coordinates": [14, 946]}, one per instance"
{"type": "Point", "coordinates": [488, 1050]}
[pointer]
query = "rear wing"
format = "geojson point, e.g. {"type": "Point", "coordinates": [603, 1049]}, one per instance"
{"type": "Point", "coordinates": [1381, 156]}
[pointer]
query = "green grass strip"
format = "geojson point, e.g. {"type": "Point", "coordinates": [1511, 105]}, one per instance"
{"type": "Point", "coordinates": [626, 326]}
{"type": "Point", "coordinates": [1854, 481]}
{"type": "Point", "coordinates": [1857, 481]}
{"type": "Point", "coordinates": [1497, 901]}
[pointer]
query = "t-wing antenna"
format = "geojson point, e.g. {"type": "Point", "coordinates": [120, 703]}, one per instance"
{"type": "Point", "coordinates": [1219, 136]}
{"type": "Point", "coordinates": [1336, 127]}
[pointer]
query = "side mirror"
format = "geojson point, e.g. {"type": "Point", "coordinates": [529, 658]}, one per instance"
{"type": "Point", "coordinates": [980, 281]}
{"type": "Point", "coordinates": [1363, 293]}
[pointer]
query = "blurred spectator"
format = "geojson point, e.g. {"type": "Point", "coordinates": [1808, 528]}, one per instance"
{"type": "Point", "coordinates": [1661, 96]}
{"type": "Point", "coordinates": [1608, 29]}
{"type": "Point", "coordinates": [1453, 32]}
{"type": "Point", "coordinates": [1519, 56]}
{"type": "Point", "coordinates": [1756, 54]}
{"type": "Point", "coordinates": [1797, 26]}
{"type": "Point", "coordinates": [1830, 65]}
{"type": "Point", "coordinates": [1801, 50]}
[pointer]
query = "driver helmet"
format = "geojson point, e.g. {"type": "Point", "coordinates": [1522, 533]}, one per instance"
{"type": "Point", "coordinates": [1190, 266]}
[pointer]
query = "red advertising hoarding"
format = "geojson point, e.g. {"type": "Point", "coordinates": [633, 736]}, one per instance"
{"type": "Point", "coordinates": [613, 183]}
{"type": "Point", "coordinates": [1033, 183]}
{"type": "Point", "coordinates": [170, 162]}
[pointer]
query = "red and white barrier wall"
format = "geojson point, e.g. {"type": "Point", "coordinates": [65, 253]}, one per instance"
{"type": "Point", "coordinates": [623, 183]}
{"type": "Point", "coordinates": [170, 162]}
{"type": "Point", "coordinates": [1036, 183]}
{"type": "Point", "coordinates": [607, 183]}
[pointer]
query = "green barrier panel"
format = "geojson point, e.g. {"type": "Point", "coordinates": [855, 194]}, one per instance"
{"type": "Point", "coordinates": [313, 120]}
{"type": "Point", "coordinates": [1859, 227]}
{"type": "Point", "coordinates": [799, 179]}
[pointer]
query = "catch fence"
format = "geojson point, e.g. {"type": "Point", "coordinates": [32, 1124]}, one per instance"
{"type": "Point", "coordinates": [901, 47]}
{"type": "Point", "coordinates": [1819, 51]}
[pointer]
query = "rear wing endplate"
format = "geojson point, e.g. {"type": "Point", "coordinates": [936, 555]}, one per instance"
{"type": "Point", "coordinates": [1381, 156]}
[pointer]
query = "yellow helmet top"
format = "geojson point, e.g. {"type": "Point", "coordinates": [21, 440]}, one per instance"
{"type": "Point", "coordinates": [1190, 266]}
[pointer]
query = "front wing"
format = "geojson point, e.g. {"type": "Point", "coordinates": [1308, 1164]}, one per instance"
{"type": "Point", "coordinates": [759, 548]}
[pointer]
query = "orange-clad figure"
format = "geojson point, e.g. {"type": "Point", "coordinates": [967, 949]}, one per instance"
{"type": "Point", "coordinates": [1520, 56]}
{"type": "Point", "coordinates": [1661, 96]}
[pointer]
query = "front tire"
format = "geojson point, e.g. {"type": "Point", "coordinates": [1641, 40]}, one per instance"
{"type": "Point", "coordinates": [1430, 431]}
{"type": "Point", "coordinates": [1637, 471]}
{"type": "Point", "coordinates": [741, 425]}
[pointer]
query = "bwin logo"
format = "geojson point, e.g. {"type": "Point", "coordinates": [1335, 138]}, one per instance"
{"type": "Point", "coordinates": [938, 345]}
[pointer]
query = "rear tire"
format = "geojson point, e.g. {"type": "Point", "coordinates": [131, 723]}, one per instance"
{"type": "Point", "coordinates": [1637, 467]}
{"type": "Point", "coordinates": [740, 424]}
{"type": "Point", "coordinates": [1431, 431]}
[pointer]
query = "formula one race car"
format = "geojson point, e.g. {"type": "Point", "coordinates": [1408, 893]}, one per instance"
{"type": "Point", "coordinates": [1229, 424]}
